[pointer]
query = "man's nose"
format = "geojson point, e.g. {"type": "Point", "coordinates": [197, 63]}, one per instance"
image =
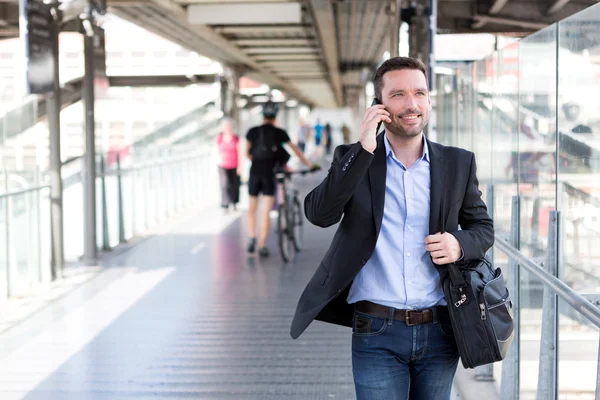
{"type": "Point", "coordinates": [410, 103]}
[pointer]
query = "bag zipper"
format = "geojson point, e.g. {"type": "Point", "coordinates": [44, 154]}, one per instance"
{"type": "Point", "coordinates": [482, 308]}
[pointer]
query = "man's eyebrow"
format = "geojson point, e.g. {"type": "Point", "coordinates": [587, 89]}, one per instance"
{"type": "Point", "coordinates": [404, 90]}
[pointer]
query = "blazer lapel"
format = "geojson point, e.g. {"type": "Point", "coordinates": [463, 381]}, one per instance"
{"type": "Point", "coordinates": [438, 171]}
{"type": "Point", "coordinates": [377, 173]}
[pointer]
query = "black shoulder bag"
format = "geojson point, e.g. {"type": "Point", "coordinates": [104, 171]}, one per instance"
{"type": "Point", "coordinates": [480, 311]}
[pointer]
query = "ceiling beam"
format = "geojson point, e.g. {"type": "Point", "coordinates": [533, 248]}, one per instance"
{"type": "Point", "coordinates": [273, 42]}
{"type": "Point", "coordinates": [299, 29]}
{"type": "Point", "coordinates": [497, 6]}
{"type": "Point", "coordinates": [9, 32]}
{"type": "Point", "coordinates": [323, 18]}
{"type": "Point", "coordinates": [508, 21]}
{"type": "Point", "coordinates": [557, 6]}
{"type": "Point", "coordinates": [495, 9]}
{"type": "Point", "coordinates": [222, 45]}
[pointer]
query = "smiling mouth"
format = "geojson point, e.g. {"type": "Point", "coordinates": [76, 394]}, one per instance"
{"type": "Point", "coordinates": [410, 117]}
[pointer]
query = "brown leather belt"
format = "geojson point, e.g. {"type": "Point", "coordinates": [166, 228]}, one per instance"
{"type": "Point", "coordinates": [410, 317]}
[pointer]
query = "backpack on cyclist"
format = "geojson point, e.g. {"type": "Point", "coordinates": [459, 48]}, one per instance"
{"type": "Point", "coordinates": [267, 149]}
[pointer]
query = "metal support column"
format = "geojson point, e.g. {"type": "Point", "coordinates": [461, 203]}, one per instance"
{"type": "Point", "coordinates": [105, 233]}
{"type": "Point", "coordinates": [509, 388]}
{"type": "Point", "coordinates": [421, 33]}
{"type": "Point", "coordinates": [120, 200]}
{"type": "Point", "coordinates": [89, 247]}
{"type": "Point", "coordinates": [234, 86]}
{"type": "Point", "coordinates": [223, 94]}
{"type": "Point", "coordinates": [394, 12]}
{"type": "Point", "coordinates": [56, 189]}
{"type": "Point", "coordinates": [548, 372]}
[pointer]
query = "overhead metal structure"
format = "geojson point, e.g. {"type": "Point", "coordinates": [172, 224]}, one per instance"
{"type": "Point", "coordinates": [325, 55]}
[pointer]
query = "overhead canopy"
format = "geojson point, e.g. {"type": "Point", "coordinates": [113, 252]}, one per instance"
{"type": "Point", "coordinates": [314, 50]}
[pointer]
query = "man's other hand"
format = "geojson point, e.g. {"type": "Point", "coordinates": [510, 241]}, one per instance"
{"type": "Point", "coordinates": [443, 247]}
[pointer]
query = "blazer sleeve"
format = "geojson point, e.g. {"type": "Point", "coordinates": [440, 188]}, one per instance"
{"type": "Point", "coordinates": [477, 234]}
{"type": "Point", "coordinates": [324, 205]}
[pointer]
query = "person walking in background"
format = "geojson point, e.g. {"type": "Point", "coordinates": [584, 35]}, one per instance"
{"type": "Point", "coordinates": [227, 145]}
{"type": "Point", "coordinates": [318, 133]}
{"type": "Point", "coordinates": [346, 134]}
{"type": "Point", "coordinates": [264, 148]}
{"type": "Point", "coordinates": [328, 138]}
{"type": "Point", "coordinates": [303, 133]}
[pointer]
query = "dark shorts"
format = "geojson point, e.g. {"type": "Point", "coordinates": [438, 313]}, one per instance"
{"type": "Point", "coordinates": [261, 183]}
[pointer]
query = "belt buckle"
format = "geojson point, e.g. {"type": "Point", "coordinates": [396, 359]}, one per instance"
{"type": "Point", "coordinates": [407, 319]}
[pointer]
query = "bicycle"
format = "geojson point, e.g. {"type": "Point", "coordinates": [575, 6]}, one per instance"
{"type": "Point", "coordinates": [290, 220]}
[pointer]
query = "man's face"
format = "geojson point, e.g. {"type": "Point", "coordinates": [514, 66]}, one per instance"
{"type": "Point", "coordinates": [406, 98]}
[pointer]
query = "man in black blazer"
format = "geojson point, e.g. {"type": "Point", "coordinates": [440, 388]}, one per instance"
{"type": "Point", "coordinates": [400, 199]}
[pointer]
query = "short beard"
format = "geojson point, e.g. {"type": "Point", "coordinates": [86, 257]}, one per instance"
{"type": "Point", "coordinates": [401, 133]}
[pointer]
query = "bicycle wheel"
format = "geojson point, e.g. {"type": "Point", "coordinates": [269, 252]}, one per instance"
{"type": "Point", "coordinates": [297, 224]}
{"type": "Point", "coordinates": [284, 232]}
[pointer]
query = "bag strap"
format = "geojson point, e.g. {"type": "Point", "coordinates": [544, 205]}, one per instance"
{"type": "Point", "coordinates": [455, 275]}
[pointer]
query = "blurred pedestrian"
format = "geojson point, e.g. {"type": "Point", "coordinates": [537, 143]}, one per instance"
{"type": "Point", "coordinates": [328, 138]}
{"type": "Point", "coordinates": [303, 133]}
{"type": "Point", "coordinates": [346, 134]}
{"type": "Point", "coordinates": [227, 145]}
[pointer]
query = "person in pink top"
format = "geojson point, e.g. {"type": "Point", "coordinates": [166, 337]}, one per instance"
{"type": "Point", "coordinates": [227, 145]}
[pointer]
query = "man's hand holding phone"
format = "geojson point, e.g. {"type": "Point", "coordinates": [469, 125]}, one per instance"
{"type": "Point", "coordinates": [374, 116]}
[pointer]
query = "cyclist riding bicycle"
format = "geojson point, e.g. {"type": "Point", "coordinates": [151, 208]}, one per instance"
{"type": "Point", "coordinates": [264, 145]}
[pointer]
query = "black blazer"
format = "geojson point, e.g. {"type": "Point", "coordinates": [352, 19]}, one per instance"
{"type": "Point", "coordinates": [355, 189]}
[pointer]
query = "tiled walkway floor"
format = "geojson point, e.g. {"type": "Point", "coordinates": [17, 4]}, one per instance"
{"type": "Point", "coordinates": [186, 314]}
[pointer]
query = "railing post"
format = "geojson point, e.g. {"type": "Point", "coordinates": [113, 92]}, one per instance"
{"type": "Point", "coordinates": [595, 299]}
{"type": "Point", "coordinates": [535, 227]}
{"type": "Point", "coordinates": [547, 378]}
{"type": "Point", "coordinates": [598, 370]}
{"type": "Point", "coordinates": [510, 386]}
{"type": "Point", "coordinates": [120, 201]}
{"type": "Point", "coordinates": [146, 185]}
{"type": "Point", "coordinates": [133, 181]}
{"type": "Point", "coordinates": [105, 237]}
{"type": "Point", "coordinates": [7, 232]}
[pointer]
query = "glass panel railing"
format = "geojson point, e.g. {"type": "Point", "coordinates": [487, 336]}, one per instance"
{"type": "Point", "coordinates": [577, 355]}
{"type": "Point", "coordinates": [538, 149]}
{"type": "Point", "coordinates": [24, 239]}
{"type": "Point", "coordinates": [537, 138]}
{"type": "Point", "coordinates": [579, 151]}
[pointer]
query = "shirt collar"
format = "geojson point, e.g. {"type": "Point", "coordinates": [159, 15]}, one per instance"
{"type": "Point", "coordinates": [390, 153]}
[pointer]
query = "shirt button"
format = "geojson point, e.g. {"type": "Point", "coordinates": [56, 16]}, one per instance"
{"type": "Point", "coordinates": [407, 173]}
{"type": "Point", "coordinates": [408, 227]}
{"type": "Point", "coordinates": [408, 254]}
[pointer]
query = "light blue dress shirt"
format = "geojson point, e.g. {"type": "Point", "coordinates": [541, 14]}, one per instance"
{"type": "Point", "coordinates": [400, 272]}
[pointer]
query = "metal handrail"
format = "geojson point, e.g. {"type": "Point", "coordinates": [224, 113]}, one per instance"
{"type": "Point", "coordinates": [574, 299]}
{"type": "Point", "coordinates": [149, 164]}
{"type": "Point", "coordinates": [18, 192]}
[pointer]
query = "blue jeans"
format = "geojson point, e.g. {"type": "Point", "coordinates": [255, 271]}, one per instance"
{"type": "Point", "coordinates": [393, 361]}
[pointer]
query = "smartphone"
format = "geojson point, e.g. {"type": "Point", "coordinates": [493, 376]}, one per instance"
{"type": "Point", "coordinates": [375, 102]}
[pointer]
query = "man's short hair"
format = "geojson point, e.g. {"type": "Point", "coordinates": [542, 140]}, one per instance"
{"type": "Point", "coordinates": [397, 64]}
